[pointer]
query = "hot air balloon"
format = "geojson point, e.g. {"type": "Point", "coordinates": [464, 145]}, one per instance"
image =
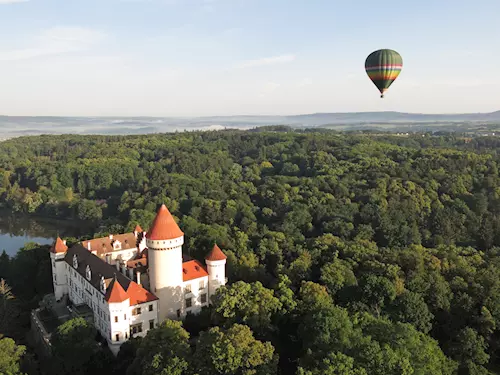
{"type": "Point", "coordinates": [383, 67]}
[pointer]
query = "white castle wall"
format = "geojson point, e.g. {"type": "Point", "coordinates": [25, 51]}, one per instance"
{"type": "Point", "coordinates": [216, 275]}
{"type": "Point", "coordinates": [165, 275]}
{"type": "Point", "coordinates": [59, 279]}
{"type": "Point", "coordinates": [193, 291]}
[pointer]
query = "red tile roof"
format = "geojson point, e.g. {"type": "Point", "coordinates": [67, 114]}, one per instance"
{"type": "Point", "coordinates": [164, 226]}
{"type": "Point", "coordinates": [59, 246]}
{"type": "Point", "coordinates": [104, 245]}
{"type": "Point", "coordinates": [193, 269]}
{"type": "Point", "coordinates": [100, 268]}
{"type": "Point", "coordinates": [138, 228]}
{"type": "Point", "coordinates": [216, 254]}
{"type": "Point", "coordinates": [138, 294]}
{"type": "Point", "coordinates": [139, 262]}
{"type": "Point", "coordinates": [117, 294]}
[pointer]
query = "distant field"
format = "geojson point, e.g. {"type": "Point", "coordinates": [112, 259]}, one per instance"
{"type": "Point", "coordinates": [15, 126]}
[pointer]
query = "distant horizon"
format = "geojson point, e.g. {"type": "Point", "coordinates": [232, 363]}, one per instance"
{"type": "Point", "coordinates": [256, 115]}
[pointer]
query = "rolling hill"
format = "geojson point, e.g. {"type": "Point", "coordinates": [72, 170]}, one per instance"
{"type": "Point", "coordinates": [12, 126]}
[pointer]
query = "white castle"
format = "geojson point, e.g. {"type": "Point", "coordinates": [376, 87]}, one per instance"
{"type": "Point", "coordinates": [134, 281]}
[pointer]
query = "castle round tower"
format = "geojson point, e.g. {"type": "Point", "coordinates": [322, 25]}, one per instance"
{"type": "Point", "coordinates": [57, 254]}
{"type": "Point", "coordinates": [216, 267]}
{"type": "Point", "coordinates": [164, 242]}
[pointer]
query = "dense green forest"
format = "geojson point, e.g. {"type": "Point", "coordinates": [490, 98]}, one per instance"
{"type": "Point", "coordinates": [347, 254]}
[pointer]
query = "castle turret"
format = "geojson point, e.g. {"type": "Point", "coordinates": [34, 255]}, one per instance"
{"type": "Point", "coordinates": [119, 306]}
{"type": "Point", "coordinates": [57, 253]}
{"type": "Point", "coordinates": [137, 231]}
{"type": "Point", "coordinates": [216, 267]}
{"type": "Point", "coordinates": [140, 238]}
{"type": "Point", "coordinates": [164, 242]}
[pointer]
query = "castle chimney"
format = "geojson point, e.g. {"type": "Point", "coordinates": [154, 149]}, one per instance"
{"type": "Point", "coordinates": [131, 273]}
{"type": "Point", "coordinates": [64, 242]}
{"type": "Point", "coordinates": [110, 236]}
{"type": "Point", "coordinates": [117, 265]}
{"type": "Point", "coordinates": [88, 246]}
{"type": "Point", "coordinates": [138, 273]}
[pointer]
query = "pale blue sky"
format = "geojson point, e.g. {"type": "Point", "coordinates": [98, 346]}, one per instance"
{"type": "Point", "coordinates": [226, 57]}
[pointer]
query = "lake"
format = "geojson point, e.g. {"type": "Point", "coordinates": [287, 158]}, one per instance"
{"type": "Point", "coordinates": [16, 230]}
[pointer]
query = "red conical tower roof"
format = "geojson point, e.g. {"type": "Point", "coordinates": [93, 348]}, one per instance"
{"type": "Point", "coordinates": [59, 246]}
{"type": "Point", "coordinates": [117, 294]}
{"type": "Point", "coordinates": [216, 254]}
{"type": "Point", "coordinates": [138, 228]}
{"type": "Point", "coordinates": [164, 226]}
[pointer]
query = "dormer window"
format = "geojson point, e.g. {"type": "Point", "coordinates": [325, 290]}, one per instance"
{"type": "Point", "coordinates": [103, 285]}
{"type": "Point", "coordinates": [117, 245]}
{"type": "Point", "coordinates": [75, 261]}
{"type": "Point", "coordinates": [88, 273]}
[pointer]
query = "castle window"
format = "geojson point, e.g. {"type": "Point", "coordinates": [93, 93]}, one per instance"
{"type": "Point", "coordinates": [88, 273]}
{"type": "Point", "coordinates": [136, 328]}
{"type": "Point", "coordinates": [151, 324]}
{"type": "Point", "coordinates": [204, 298]}
{"type": "Point", "coordinates": [188, 288]}
{"type": "Point", "coordinates": [188, 303]}
{"type": "Point", "coordinates": [103, 286]}
{"type": "Point", "coordinates": [125, 316]}
{"type": "Point", "coordinates": [150, 307]}
{"type": "Point", "coordinates": [178, 313]}
{"type": "Point", "coordinates": [202, 284]}
{"type": "Point", "coordinates": [75, 261]}
{"type": "Point", "coordinates": [117, 336]}
{"type": "Point", "coordinates": [136, 311]}
{"type": "Point", "coordinates": [116, 319]}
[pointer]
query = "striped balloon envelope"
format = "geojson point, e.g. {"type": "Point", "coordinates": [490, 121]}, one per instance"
{"type": "Point", "coordinates": [383, 67]}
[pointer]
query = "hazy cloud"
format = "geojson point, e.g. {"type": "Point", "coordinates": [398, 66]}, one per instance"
{"type": "Point", "coordinates": [73, 35]}
{"type": "Point", "coordinates": [268, 88]}
{"type": "Point", "coordinates": [305, 82]}
{"type": "Point", "coordinates": [452, 83]}
{"type": "Point", "coordinates": [12, 1]}
{"type": "Point", "coordinates": [267, 61]}
{"type": "Point", "coordinates": [56, 40]}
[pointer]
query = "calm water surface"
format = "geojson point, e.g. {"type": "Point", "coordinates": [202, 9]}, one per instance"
{"type": "Point", "coordinates": [16, 230]}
